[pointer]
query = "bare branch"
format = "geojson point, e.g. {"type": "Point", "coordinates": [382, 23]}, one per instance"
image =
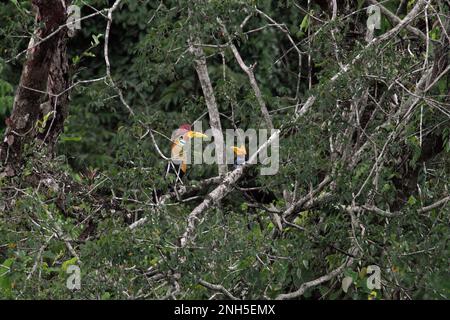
{"type": "Point", "coordinates": [217, 287]}
{"type": "Point", "coordinates": [388, 214]}
{"type": "Point", "coordinates": [251, 76]}
{"type": "Point", "coordinates": [106, 53]}
{"type": "Point", "coordinates": [313, 283]}
{"type": "Point", "coordinates": [210, 99]}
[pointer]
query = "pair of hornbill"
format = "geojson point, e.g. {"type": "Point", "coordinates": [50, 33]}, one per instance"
{"type": "Point", "coordinates": [180, 138]}
{"type": "Point", "coordinates": [178, 164]}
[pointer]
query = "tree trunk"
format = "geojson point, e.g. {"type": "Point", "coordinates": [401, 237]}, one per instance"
{"type": "Point", "coordinates": [213, 110]}
{"type": "Point", "coordinates": [58, 95]}
{"type": "Point", "coordinates": [44, 76]}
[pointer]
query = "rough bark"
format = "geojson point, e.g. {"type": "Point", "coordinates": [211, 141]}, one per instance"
{"type": "Point", "coordinates": [44, 75]}
{"type": "Point", "coordinates": [213, 110]}
{"type": "Point", "coordinates": [57, 88]}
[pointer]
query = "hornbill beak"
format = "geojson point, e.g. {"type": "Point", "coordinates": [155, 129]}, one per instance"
{"type": "Point", "coordinates": [195, 134]}
{"type": "Point", "coordinates": [239, 151]}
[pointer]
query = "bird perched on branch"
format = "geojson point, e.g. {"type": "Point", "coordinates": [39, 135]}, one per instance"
{"type": "Point", "coordinates": [250, 190]}
{"type": "Point", "coordinates": [240, 154]}
{"type": "Point", "coordinates": [180, 138]}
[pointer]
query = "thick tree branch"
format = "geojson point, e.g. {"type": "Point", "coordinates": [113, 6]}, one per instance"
{"type": "Point", "coordinates": [394, 19]}
{"type": "Point", "coordinates": [218, 193]}
{"type": "Point", "coordinates": [58, 89]}
{"type": "Point", "coordinates": [219, 288]}
{"type": "Point", "coordinates": [213, 110]}
{"type": "Point", "coordinates": [32, 87]}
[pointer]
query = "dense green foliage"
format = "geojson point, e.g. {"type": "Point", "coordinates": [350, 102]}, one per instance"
{"type": "Point", "coordinates": [107, 167]}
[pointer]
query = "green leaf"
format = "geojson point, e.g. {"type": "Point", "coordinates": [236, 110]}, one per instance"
{"type": "Point", "coordinates": [435, 33]}
{"type": "Point", "coordinates": [68, 139]}
{"type": "Point", "coordinates": [5, 280]}
{"type": "Point", "coordinates": [5, 267]}
{"type": "Point", "coordinates": [412, 201]}
{"type": "Point", "coordinates": [106, 296]}
{"type": "Point", "coordinates": [306, 264]}
{"type": "Point", "coordinates": [68, 263]}
{"type": "Point", "coordinates": [304, 25]}
{"type": "Point", "coordinates": [244, 206]}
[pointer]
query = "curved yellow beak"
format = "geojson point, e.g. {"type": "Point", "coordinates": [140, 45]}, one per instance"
{"type": "Point", "coordinates": [194, 134]}
{"type": "Point", "coordinates": [239, 151]}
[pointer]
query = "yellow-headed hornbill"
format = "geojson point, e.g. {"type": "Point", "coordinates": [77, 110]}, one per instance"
{"type": "Point", "coordinates": [240, 155]}
{"type": "Point", "coordinates": [180, 138]}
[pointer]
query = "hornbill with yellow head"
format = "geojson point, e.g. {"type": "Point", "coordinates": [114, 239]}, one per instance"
{"type": "Point", "coordinates": [240, 153]}
{"type": "Point", "coordinates": [180, 138]}
{"type": "Point", "coordinates": [249, 189]}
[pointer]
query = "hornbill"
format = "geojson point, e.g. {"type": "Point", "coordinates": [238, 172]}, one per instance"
{"type": "Point", "coordinates": [240, 155]}
{"type": "Point", "coordinates": [180, 138]}
{"type": "Point", "coordinates": [250, 190]}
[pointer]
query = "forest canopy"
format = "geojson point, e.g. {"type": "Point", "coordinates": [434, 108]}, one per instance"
{"type": "Point", "coordinates": [334, 186]}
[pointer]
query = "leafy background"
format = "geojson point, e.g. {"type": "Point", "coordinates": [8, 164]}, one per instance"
{"type": "Point", "coordinates": [111, 172]}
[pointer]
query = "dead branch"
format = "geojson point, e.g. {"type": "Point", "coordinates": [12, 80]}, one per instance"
{"type": "Point", "coordinates": [217, 287]}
